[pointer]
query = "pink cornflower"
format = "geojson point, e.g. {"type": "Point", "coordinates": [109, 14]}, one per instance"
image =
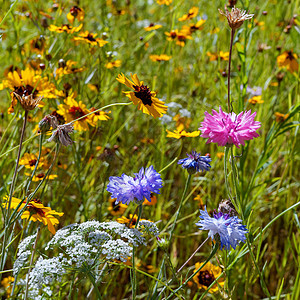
{"type": "Point", "coordinates": [227, 129]}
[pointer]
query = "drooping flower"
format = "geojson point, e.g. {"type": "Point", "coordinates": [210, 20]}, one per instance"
{"type": "Point", "coordinates": [126, 188]}
{"type": "Point", "coordinates": [90, 38]}
{"type": "Point", "coordinates": [288, 60]}
{"type": "Point", "coordinates": [116, 208]}
{"type": "Point", "coordinates": [226, 129]}
{"type": "Point", "coordinates": [227, 230]}
{"type": "Point", "coordinates": [61, 135]}
{"type": "Point", "coordinates": [35, 211]}
{"type": "Point", "coordinates": [207, 275]}
{"type": "Point", "coordinates": [236, 17]}
{"type": "Point", "coordinates": [195, 162]}
{"type": "Point", "coordinates": [143, 97]}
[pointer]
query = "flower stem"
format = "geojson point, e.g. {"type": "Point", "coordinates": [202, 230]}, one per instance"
{"type": "Point", "coordinates": [192, 255]}
{"type": "Point", "coordinates": [187, 183]}
{"type": "Point", "coordinates": [133, 279]}
{"type": "Point", "coordinates": [12, 187]}
{"type": "Point", "coordinates": [229, 70]}
{"type": "Point", "coordinates": [91, 277]}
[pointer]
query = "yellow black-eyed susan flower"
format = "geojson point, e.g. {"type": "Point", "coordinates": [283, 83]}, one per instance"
{"type": "Point", "coordinates": [143, 97]}
{"type": "Point", "coordinates": [65, 28]}
{"type": "Point", "coordinates": [207, 275]}
{"type": "Point", "coordinates": [129, 222]}
{"type": "Point", "coordinates": [35, 211]}
{"type": "Point", "coordinates": [193, 12]}
{"type": "Point", "coordinates": [176, 134]}
{"type": "Point", "coordinates": [161, 57]}
{"type": "Point", "coordinates": [75, 13]}
{"type": "Point", "coordinates": [116, 209]}
{"type": "Point", "coordinates": [90, 38]}
{"type": "Point", "coordinates": [288, 60]}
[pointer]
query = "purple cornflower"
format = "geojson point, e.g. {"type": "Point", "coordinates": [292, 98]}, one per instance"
{"type": "Point", "coordinates": [195, 162]}
{"type": "Point", "coordinates": [226, 129]}
{"type": "Point", "coordinates": [126, 188]}
{"type": "Point", "coordinates": [228, 230]}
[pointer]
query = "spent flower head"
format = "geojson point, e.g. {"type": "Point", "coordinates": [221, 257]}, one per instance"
{"type": "Point", "coordinates": [227, 230]}
{"type": "Point", "coordinates": [227, 129]}
{"type": "Point", "coordinates": [61, 134]}
{"type": "Point", "coordinates": [126, 188]}
{"type": "Point", "coordinates": [236, 17]}
{"type": "Point", "coordinates": [28, 102]}
{"type": "Point", "coordinates": [195, 162]}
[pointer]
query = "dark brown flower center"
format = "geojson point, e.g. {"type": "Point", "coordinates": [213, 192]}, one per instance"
{"type": "Point", "coordinates": [116, 207]}
{"type": "Point", "coordinates": [32, 162]}
{"type": "Point", "coordinates": [74, 11]}
{"type": "Point", "coordinates": [25, 90]}
{"type": "Point", "coordinates": [290, 55]}
{"type": "Point", "coordinates": [173, 34]}
{"type": "Point", "coordinates": [77, 112]}
{"type": "Point", "coordinates": [41, 175]}
{"type": "Point", "coordinates": [60, 118]}
{"type": "Point", "coordinates": [143, 92]}
{"type": "Point", "coordinates": [90, 38]}
{"type": "Point", "coordinates": [206, 278]}
{"type": "Point", "coordinates": [34, 209]}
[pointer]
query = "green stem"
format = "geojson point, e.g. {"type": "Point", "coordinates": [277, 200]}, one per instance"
{"type": "Point", "coordinates": [91, 277]}
{"type": "Point", "coordinates": [229, 70]}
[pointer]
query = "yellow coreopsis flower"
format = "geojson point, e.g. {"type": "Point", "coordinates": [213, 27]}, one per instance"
{"type": "Point", "coordinates": [28, 82]}
{"type": "Point", "coordinates": [166, 2]}
{"type": "Point", "coordinates": [191, 28]}
{"type": "Point", "coordinates": [256, 99]}
{"type": "Point", "coordinates": [41, 176]}
{"type": "Point", "coordinates": [116, 209]}
{"type": "Point", "coordinates": [179, 134]}
{"type": "Point", "coordinates": [161, 57]}
{"type": "Point", "coordinates": [68, 68]}
{"type": "Point", "coordinates": [288, 60]}
{"type": "Point", "coordinates": [214, 56]}
{"type": "Point", "coordinates": [143, 97]}
{"type": "Point", "coordinates": [207, 275]}
{"type": "Point", "coordinates": [7, 284]}
{"type": "Point", "coordinates": [75, 13]}
{"type": "Point", "coordinates": [91, 39]}
{"type": "Point", "coordinates": [131, 221]}
{"type": "Point", "coordinates": [29, 161]}
{"type": "Point", "coordinates": [193, 12]}
{"type": "Point", "coordinates": [35, 211]}
{"type": "Point", "coordinates": [65, 28]}
{"type": "Point", "coordinates": [152, 26]}
{"type": "Point", "coordinates": [113, 64]}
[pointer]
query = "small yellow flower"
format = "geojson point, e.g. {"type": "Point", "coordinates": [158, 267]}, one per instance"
{"type": "Point", "coordinates": [35, 211]}
{"type": "Point", "coordinates": [68, 68]}
{"type": "Point", "coordinates": [7, 284]}
{"type": "Point", "coordinates": [200, 201]}
{"type": "Point", "coordinates": [193, 12]}
{"type": "Point", "coordinates": [288, 60]}
{"type": "Point", "coordinates": [207, 275]}
{"type": "Point", "coordinates": [281, 117]}
{"type": "Point", "coordinates": [220, 155]}
{"type": "Point", "coordinates": [179, 36]}
{"type": "Point", "coordinates": [152, 26]}
{"type": "Point", "coordinates": [143, 97]}
{"type": "Point", "coordinates": [191, 28]}
{"type": "Point", "coordinates": [256, 99]}
{"type": "Point", "coordinates": [166, 2]}
{"type": "Point", "coordinates": [116, 209]}
{"type": "Point", "coordinates": [131, 221]}
{"type": "Point", "coordinates": [182, 122]}
{"type": "Point", "coordinates": [161, 57]}
{"type": "Point", "coordinates": [179, 134]}
{"type": "Point", "coordinates": [91, 39]}
{"type": "Point", "coordinates": [40, 176]}
{"type": "Point", "coordinates": [75, 13]}
{"type": "Point", "coordinates": [215, 56]}
{"type": "Point", "coordinates": [113, 64]}
{"type": "Point", "coordinates": [65, 28]}
{"type": "Point", "coordinates": [29, 160]}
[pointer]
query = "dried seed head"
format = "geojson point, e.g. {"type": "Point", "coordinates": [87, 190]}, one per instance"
{"type": "Point", "coordinates": [226, 207]}
{"type": "Point", "coordinates": [61, 134]}
{"type": "Point", "coordinates": [28, 102]}
{"type": "Point", "coordinates": [236, 17]}
{"type": "Point", "coordinates": [47, 122]}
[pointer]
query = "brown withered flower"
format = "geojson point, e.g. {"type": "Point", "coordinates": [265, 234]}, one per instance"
{"type": "Point", "coordinates": [28, 102]}
{"type": "Point", "coordinates": [61, 134]}
{"type": "Point", "coordinates": [236, 17]}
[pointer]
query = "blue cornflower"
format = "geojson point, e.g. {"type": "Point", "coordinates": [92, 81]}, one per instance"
{"type": "Point", "coordinates": [126, 188]}
{"type": "Point", "coordinates": [229, 230]}
{"type": "Point", "coordinates": [195, 162]}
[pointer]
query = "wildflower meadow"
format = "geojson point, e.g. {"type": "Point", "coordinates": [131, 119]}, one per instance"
{"type": "Point", "coordinates": [149, 149]}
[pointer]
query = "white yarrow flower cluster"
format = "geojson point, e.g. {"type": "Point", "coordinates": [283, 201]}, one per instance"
{"type": "Point", "coordinates": [81, 246]}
